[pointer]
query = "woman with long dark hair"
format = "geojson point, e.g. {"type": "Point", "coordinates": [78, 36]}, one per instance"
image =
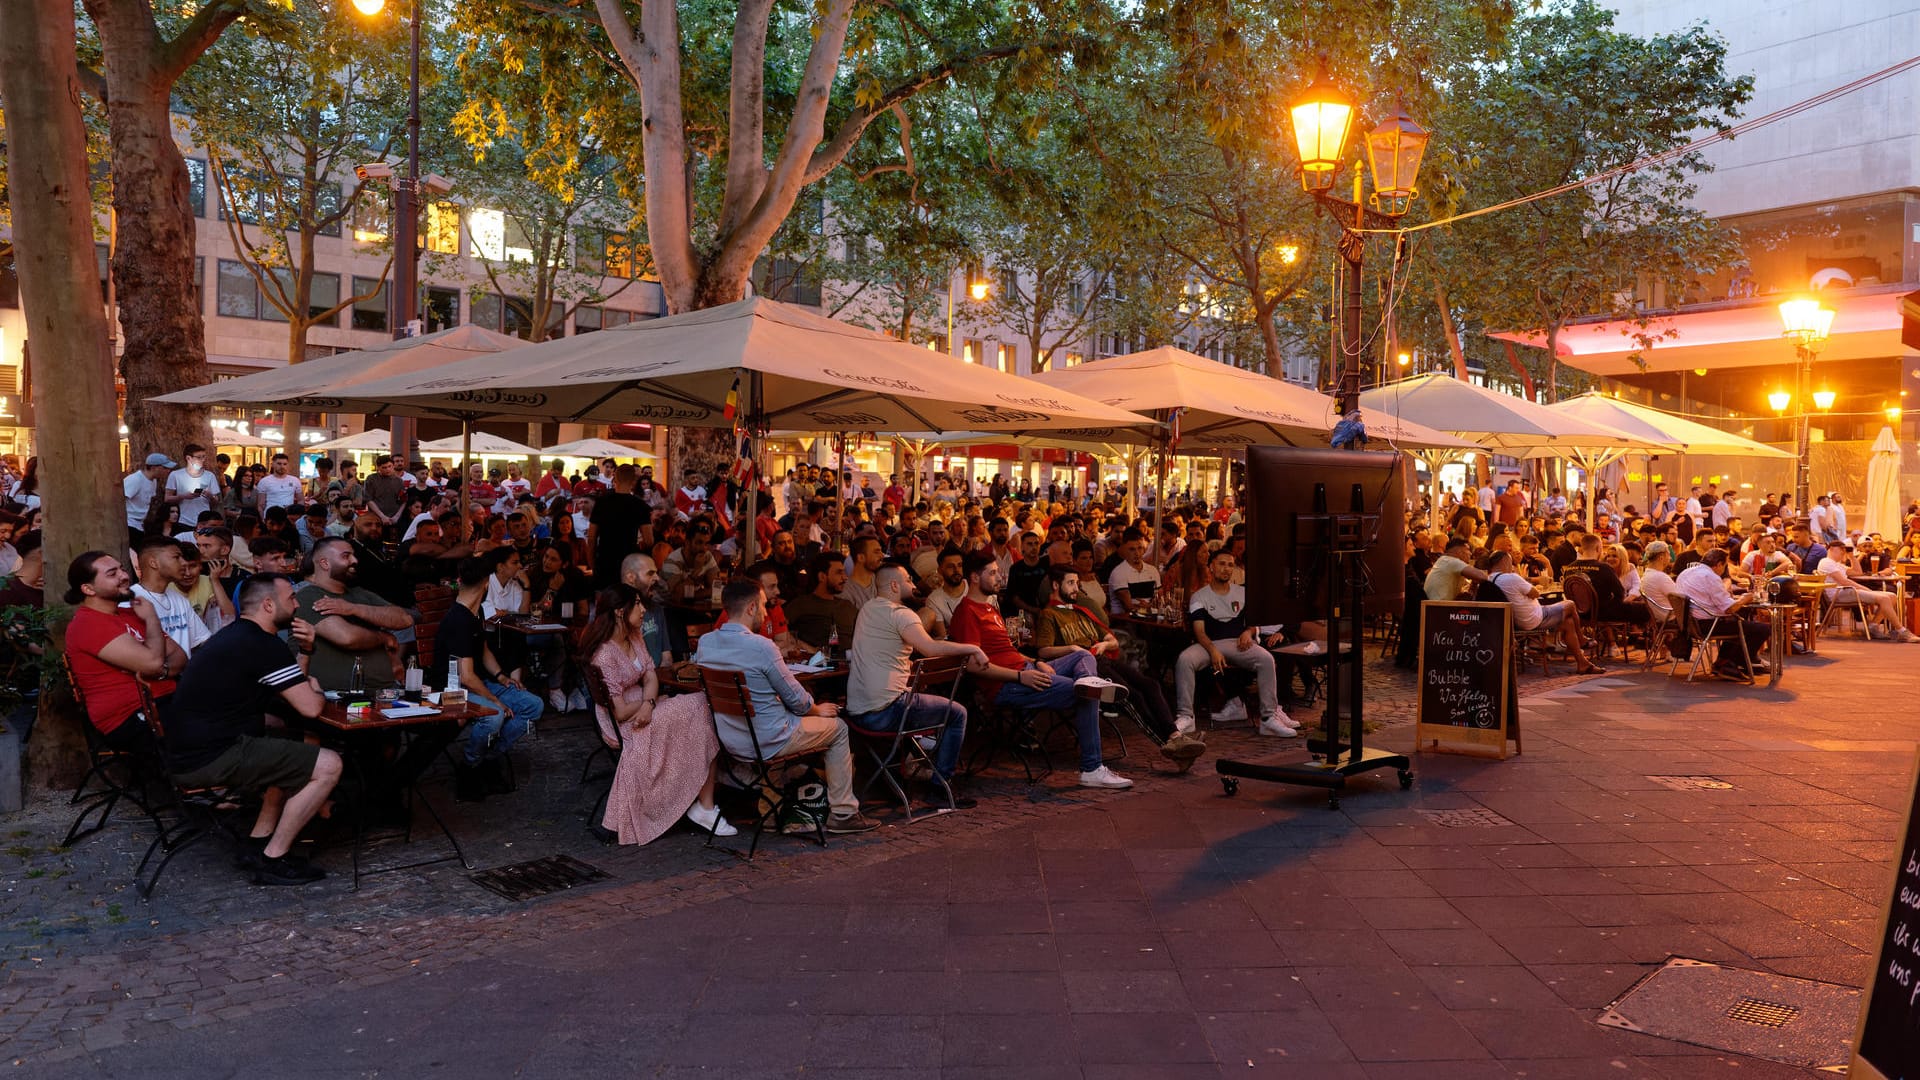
{"type": "Point", "coordinates": [562, 534]}
{"type": "Point", "coordinates": [26, 490]}
{"type": "Point", "coordinates": [667, 746]}
{"type": "Point", "coordinates": [241, 497]}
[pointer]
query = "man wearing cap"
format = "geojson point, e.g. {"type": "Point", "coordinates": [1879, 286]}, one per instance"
{"type": "Point", "coordinates": [141, 487]}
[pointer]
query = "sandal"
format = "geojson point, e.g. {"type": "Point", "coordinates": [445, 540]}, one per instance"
{"type": "Point", "coordinates": [1591, 669]}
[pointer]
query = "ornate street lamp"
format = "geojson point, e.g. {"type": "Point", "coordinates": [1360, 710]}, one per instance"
{"type": "Point", "coordinates": [1807, 323]}
{"type": "Point", "coordinates": [1322, 118]}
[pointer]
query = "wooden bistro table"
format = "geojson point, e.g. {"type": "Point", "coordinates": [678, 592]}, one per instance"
{"type": "Point", "coordinates": [685, 678]}
{"type": "Point", "coordinates": [358, 744]}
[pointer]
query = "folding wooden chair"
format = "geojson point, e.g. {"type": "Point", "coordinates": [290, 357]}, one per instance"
{"type": "Point", "coordinates": [727, 695]}
{"type": "Point", "coordinates": [608, 740]}
{"type": "Point", "coordinates": [112, 775]}
{"type": "Point", "coordinates": [891, 751]}
{"type": "Point", "coordinates": [204, 812]}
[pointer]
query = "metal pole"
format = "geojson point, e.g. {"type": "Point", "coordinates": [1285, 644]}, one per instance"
{"type": "Point", "coordinates": [754, 428]}
{"type": "Point", "coordinates": [1353, 250]}
{"type": "Point", "coordinates": [1803, 476]}
{"type": "Point", "coordinates": [405, 292]}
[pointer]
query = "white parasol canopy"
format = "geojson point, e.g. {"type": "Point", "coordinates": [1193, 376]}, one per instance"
{"type": "Point", "coordinates": [372, 442]}
{"type": "Point", "coordinates": [1495, 420]}
{"type": "Point", "coordinates": [1225, 407]}
{"type": "Point", "coordinates": [1675, 433]}
{"type": "Point", "coordinates": [789, 368]}
{"type": "Point", "coordinates": [1883, 487]}
{"type": "Point", "coordinates": [230, 437]}
{"type": "Point", "coordinates": [595, 449]}
{"type": "Point", "coordinates": [480, 444]}
{"type": "Point", "coordinates": [323, 385]}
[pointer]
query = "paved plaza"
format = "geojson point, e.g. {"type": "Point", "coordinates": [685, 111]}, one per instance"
{"type": "Point", "coordinates": [1166, 932]}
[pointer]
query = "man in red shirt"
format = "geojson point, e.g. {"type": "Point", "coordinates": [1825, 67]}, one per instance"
{"type": "Point", "coordinates": [554, 481]}
{"type": "Point", "coordinates": [1510, 505]}
{"type": "Point", "coordinates": [895, 495]}
{"type": "Point", "coordinates": [1071, 682]}
{"type": "Point", "coordinates": [110, 649]}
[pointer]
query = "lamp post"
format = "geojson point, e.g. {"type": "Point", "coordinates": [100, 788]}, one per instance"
{"type": "Point", "coordinates": [1322, 119]}
{"type": "Point", "coordinates": [977, 289]}
{"type": "Point", "coordinates": [402, 310]}
{"type": "Point", "coordinates": [1807, 322]}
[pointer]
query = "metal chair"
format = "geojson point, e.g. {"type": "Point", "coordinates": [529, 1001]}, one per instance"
{"type": "Point", "coordinates": [601, 700]}
{"type": "Point", "coordinates": [890, 751]}
{"type": "Point", "coordinates": [727, 695]}
{"type": "Point", "coordinates": [1709, 641]}
{"type": "Point", "coordinates": [1845, 598]}
{"type": "Point", "coordinates": [118, 774]}
{"type": "Point", "coordinates": [1663, 631]}
{"type": "Point", "coordinates": [204, 812]}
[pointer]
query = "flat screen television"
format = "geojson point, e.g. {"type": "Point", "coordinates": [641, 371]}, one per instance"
{"type": "Point", "coordinates": [1284, 579]}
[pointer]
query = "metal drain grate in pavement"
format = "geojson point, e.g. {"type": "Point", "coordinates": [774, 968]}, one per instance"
{"type": "Point", "coordinates": [1692, 783]}
{"type": "Point", "coordinates": [1795, 1021]}
{"type": "Point", "coordinates": [1750, 1010]}
{"type": "Point", "coordinates": [1474, 818]}
{"type": "Point", "coordinates": [524, 881]}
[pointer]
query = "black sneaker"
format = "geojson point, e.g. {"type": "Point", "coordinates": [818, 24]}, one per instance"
{"type": "Point", "coordinates": [469, 784]}
{"type": "Point", "coordinates": [251, 852]}
{"type": "Point", "coordinates": [932, 794]}
{"type": "Point", "coordinates": [496, 774]}
{"type": "Point", "coordinates": [286, 870]}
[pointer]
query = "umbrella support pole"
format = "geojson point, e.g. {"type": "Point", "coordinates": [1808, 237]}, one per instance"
{"type": "Point", "coordinates": [1342, 568]}
{"type": "Point", "coordinates": [756, 424]}
{"type": "Point", "coordinates": [466, 469]}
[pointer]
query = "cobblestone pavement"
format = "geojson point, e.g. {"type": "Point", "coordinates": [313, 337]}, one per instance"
{"type": "Point", "coordinates": [1164, 932]}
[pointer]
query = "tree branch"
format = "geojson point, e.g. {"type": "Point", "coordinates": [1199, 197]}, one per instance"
{"type": "Point", "coordinates": [746, 114]}
{"type": "Point", "coordinates": [175, 56]}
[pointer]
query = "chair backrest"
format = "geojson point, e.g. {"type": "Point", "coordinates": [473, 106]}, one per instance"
{"type": "Point", "coordinates": [603, 702]}
{"type": "Point", "coordinates": [151, 709]}
{"type": "Point", "coordinates": [1586, 599]}
{"type": "Point", "coordinates": [433, 602]}
{"type": "Point", "coordinates": [938, 675]}
{"type": "Point", "coordinates": [696, 631]}
{"type": "Point", "coordinates": [727, 695]}
{"type": "Point", "coordinates": [1487, 592]}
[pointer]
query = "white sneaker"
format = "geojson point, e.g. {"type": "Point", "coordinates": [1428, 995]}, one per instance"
{"type": "Point", "coordinates": [578, 701]}
{"type": "Point", "coordinates": [1277, 724]}
{"type": "Point", "coordinates": [1104, 777]}
{"type": "Point", "coordinates": [1233, 712]}
{"type": "Point", "coordinates": [1184, 725]}
{"type": "Point", "coordinates": [558, 699]}
{"type": "Point", "coordinates": [926, 743]}
{"type": "Point", "coordinates": [709, 820]}
{"type": "Point", "coordinates": [1095, 688]}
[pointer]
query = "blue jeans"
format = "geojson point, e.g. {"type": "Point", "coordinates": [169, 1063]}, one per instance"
{"type": "Point", "coordinates": [918, 711]}
{"type": "Point", "coordinates": [1059, 695]}
{"type": "Point", "coordinates": [526, 707]}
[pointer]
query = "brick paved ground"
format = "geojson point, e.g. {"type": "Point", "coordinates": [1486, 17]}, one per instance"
{"type": "Point", "coordinates": [1165, 932]}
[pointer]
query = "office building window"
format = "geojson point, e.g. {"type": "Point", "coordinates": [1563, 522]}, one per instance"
{"type": "Point", "coordinates": [370, 314]}
{"type": "Point", "coordinates": [443, 228]}
{"type": "Point", "coordinates": [197, 186]}
{"type": "Point", "coordinates": [325, 293]}
{"type": "Point", "coordinates": [1009, 357]}
{"type": "Point", "coordinates": [440, 309]}
{"type": "Point", "coordinates": [238, 296]}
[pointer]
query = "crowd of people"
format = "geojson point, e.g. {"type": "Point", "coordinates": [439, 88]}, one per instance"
{"type": "Point", "coordinates": [247, 596]}
{"type": "Point", "coordinates": [1502, 544]}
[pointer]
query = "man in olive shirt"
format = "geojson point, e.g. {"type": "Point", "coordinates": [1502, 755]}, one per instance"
{"type": "Point", "coordinates": [813, 617]}
{"type": "Point", "coordinates": [349, 623]}
{"type": "Point", "coordinates": [886, 637]}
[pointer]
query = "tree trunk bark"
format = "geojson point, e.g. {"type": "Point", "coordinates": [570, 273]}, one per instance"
{"type": "Point", "coordinates": [1520, 369]}
{"type": "Point", "coordinates": [290, 421]}
{"type": "Point", "coordinates": [1453, 333]}
{"type": "Point", "coordinates": [53, 234]}
{"type": "Point", "coordinates": [1270, 345]}
{"type": "Point", "coordinates": [166, 347]}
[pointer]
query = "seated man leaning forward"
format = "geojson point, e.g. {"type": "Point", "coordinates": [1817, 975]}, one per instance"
{"type": "Point", "coordinates": [216, 733]}
{"type": "Point", "coordinates": [350, 624]}
{"type": "Point", "coordinates": [1848, 591]}
{"type": "Point", "coordinates": [886, 636]}
{"type": "Point", "coordinates": [1217, 613]}
{"type": "Point", "coordinates": [786, 719]}
{"type": "Point", "coordinates": [1070, 682]}
{"type": "Point", "coordinates": [1530, 614]}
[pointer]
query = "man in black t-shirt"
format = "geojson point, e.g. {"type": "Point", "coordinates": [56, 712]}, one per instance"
{"type": "Point", "coordinates": [216, 734]}
{"type": "Point", "coordinates": [462, 640]}
{"type": "Point", "coordinates": [1027, 581]}
{"type": "Point", "coordinates": [613, 533]}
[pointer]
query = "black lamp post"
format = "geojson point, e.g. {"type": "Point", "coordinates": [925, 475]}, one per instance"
{"type": "Point", "coordinates": [404, 297]}
{"type": "Point", "coordinates": [1322, 119]}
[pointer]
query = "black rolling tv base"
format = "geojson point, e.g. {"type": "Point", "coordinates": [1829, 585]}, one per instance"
{"type": "Point", "coordinates": [1329, 774]}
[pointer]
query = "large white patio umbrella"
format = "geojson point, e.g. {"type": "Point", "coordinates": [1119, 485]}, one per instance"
{"type": "Point", "coordinates": [787, 367]}
{"type": "Point", "coordinates": [364, 441]}
{"type": "Point", "coordinates": [1503, 422]}
{"type": "Point", "coordinates": [769, 364]}
{"type": "Point", "coordinates": [480, 444]}
{"type": "Point", "coordinates": [1221, 407]}
{"type": "Point", "coordinates": [1883, 487]}
{"type": "Point", "coordinates": [1674, 433]}
{"type": "Point", "coordinates": [595, 450]}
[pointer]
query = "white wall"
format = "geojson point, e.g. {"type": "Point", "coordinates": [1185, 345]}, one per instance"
{"type": "Point", "coordinates": [1865, 142]}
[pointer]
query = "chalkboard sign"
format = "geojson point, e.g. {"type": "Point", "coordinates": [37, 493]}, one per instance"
{"type": "Point", "coordinates": [1888, 1044]}
{"type": "Point", "coordinates": [1466, 676]}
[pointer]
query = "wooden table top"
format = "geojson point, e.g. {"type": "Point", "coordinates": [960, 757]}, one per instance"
{"type": "Point", "coordinates": [335, 716]}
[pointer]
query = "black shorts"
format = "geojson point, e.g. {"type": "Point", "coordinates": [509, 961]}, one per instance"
{"type": "Point", "coordinates": [254, 764]}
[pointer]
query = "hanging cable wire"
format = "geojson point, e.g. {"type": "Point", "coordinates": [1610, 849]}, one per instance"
{"type": "Point", "coordinates": [1676, 152]}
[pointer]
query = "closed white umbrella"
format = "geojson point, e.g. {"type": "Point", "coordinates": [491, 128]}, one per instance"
{"type": "Point", "coordinates": [1883, 486]}
{"type": "Point", "coordinates": [596, 450]}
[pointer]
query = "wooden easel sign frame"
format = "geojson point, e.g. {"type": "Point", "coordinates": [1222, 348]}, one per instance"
{"type": "Point", "coordinates": [1465, 700]}
{"type": "Point", "coordinates": [1886, 1045]}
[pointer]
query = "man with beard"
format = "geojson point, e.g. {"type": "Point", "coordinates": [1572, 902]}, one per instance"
{"type": "Point", "coordinates": [217, 735]}
{"type": "Point", "coordinates": [1067, 684]}
{"type": "Point", "coordinates": [639, 573]}
{"type": "Point", "coordinates": [351, 624]}
{"type": "Point", "coordinates": [109, 649]}
{"type": "Point", "coordinates": [813, 617]}
{"type": "Point", "coordinates": [953, 589]}
{"type": "Point", "coordinates": [784, 554]}
{"type": "Point", "coordinates": [372, 569]}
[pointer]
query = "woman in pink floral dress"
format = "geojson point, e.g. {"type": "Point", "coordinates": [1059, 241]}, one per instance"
{"type": "Point", "coordinates": [667, 747]}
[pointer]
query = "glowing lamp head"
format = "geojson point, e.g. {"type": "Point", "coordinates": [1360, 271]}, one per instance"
{"type": "Point", "coordinates": [1806, 320]}
{"type": "Point", "coordinates": [977, 290]}
{"type": "Point", "coordinates": [1823, 399]}
{"type": "Point", "coordinates": [1893, 414]}
{"type": "Point", "coordinates": [369, 7]}
{"type": "Point", "coordinates": [1779, 399]}
{"type": "Point", "coordinates": [1321, 119]}
{"type": "Point", "coordinates": [1394, 150]}
{"type": "Point", "coordinates": [1404, 359]}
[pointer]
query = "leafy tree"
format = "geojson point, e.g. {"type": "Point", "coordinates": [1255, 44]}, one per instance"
{"type": "Point", "coordinates": [1571, 98]}
{"type": "Point", "coordinates": [286, 109]}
